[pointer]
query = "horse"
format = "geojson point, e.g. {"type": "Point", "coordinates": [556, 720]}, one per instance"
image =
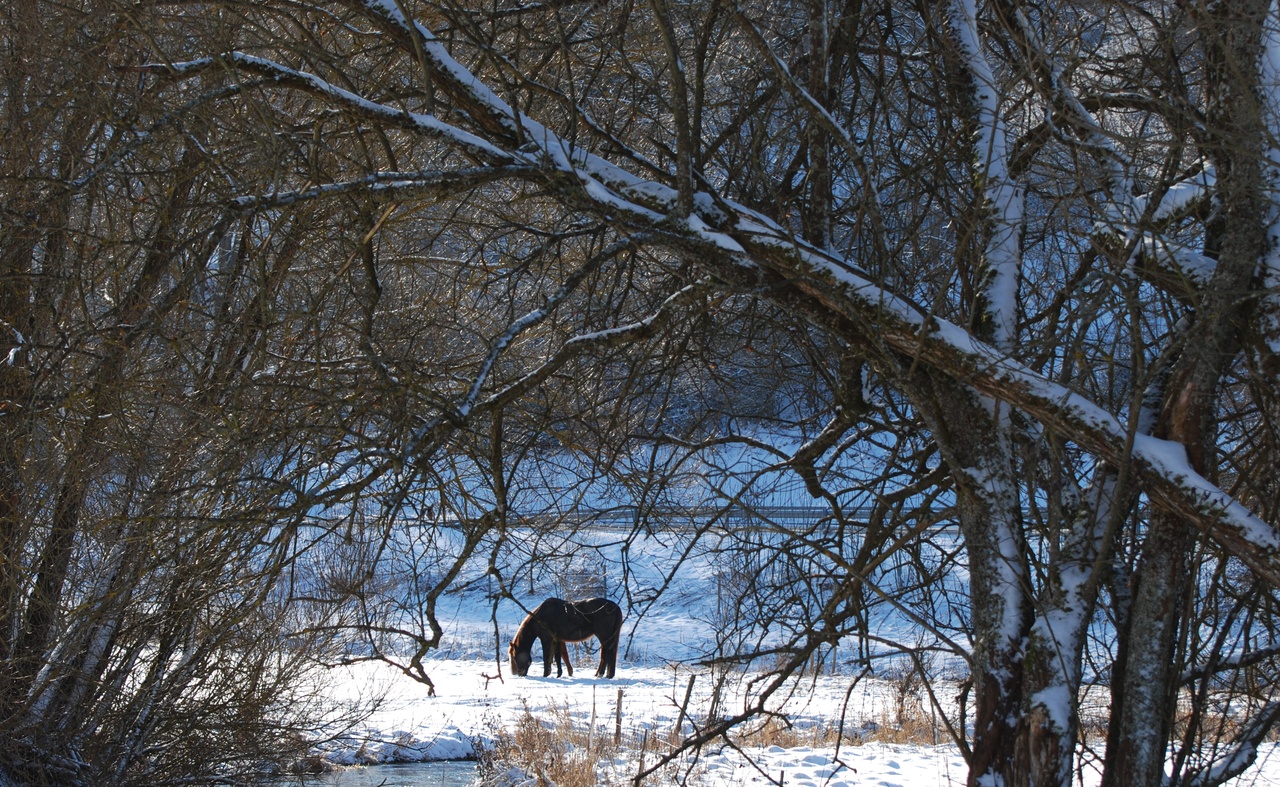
{"type": "Point", "coordinates": [555, 622]}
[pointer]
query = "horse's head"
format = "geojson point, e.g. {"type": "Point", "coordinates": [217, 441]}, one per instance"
{"type": "Point", "coordinates": [521, 658]}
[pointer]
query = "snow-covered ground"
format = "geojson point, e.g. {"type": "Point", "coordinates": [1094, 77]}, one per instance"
{"type": "Point", "coordinates": [470, 706]}
{"type": "Point", "coordinates": [663, 645]}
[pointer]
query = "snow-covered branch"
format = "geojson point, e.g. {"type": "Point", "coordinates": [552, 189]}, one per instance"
{"type": "Point", "coordinates": [1004, 197]}
{"type": "Point", "coordinates": [285, 76]}
{"type": "Point", "coordinates": [537, 316]}
{"type": "Point", "coordinates": [391, 185]}
{"type": "Point", "coordinates": [1177, 269]}
{"type": "Point", "coordinates": [747, 241]}
{"type": "Point", "coordinates": [1236, 758]}
{"type": "Point", "coordinates": [1161, 466]}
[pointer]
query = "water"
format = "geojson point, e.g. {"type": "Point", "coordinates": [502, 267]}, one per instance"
{"type": "Point", "coordinates": [407, 774]}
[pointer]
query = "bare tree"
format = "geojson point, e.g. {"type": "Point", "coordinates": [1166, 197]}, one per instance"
{"type": "Point", "coordinates": [285, 274]}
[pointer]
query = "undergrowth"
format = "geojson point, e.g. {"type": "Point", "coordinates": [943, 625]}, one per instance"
{"type": "Point", "coordinates": [558, 748]}
{"type": "Point", "coordinates": [541, 752]}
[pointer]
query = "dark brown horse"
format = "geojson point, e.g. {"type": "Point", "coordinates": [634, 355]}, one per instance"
{"type": "Point", "coordinates": [555, 622]}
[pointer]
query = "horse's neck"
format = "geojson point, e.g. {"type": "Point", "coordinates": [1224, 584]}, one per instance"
{"type": "Point", "coordinates": [529, 630]}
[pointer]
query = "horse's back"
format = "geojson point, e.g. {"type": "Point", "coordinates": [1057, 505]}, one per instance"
{"type": "Point", "coordinates": [578, 620]}
{"type": "Point", "coordinates": [552, 606]}
{"type": "Point", "coordinates": [592, 606]}
{"type": "Point", "coordinates": [602, 613]}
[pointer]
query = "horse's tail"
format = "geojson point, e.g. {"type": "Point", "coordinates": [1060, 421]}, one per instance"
{"type": "Point", "coordinates": [616, 633]}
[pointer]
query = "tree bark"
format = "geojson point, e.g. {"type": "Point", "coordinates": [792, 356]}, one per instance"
{"type": "Point", "coordinates": [968, 431]}
{"type": "Point", "coordinates": [1146, 678]}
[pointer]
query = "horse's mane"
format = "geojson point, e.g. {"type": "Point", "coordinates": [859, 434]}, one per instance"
{"type": "Point", "coordinates": [530, 629]}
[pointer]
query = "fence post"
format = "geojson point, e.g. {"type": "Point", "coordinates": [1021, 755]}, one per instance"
{"type": "Point", "coordinates": [684, 706]}
{"type": "Point", "coordinates": [591, 727]}
{"type": "Point", "coordinates": [617, 721]}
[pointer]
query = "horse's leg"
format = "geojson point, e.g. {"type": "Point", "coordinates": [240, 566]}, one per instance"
{"type": "Point", "coordinates": [609, 650]}
{"type": "Point", "coordinates": [564, 653]}
{"type": "Point", "coordinates": [604, 652]}
{"type": "Point", "coordinates": [608, 655]}
{"type": "Point", "coordinates": [548, 648]}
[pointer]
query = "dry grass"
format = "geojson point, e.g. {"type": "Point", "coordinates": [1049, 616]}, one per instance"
{"type": "Point", "coordinates": [909, 717]}
{"type": "Point", "coordinates": [560, 748]}
{"type": "Point", "coordinates": [904, 716]}
{"type": "Point", "coordinates": [916, 726]}
{"type": "Point", "coordinates": [556, 751]}
{"type": "Point", "coordinates": [778, 731]}
{"type": "Point", "coordinates": [1222, 716]}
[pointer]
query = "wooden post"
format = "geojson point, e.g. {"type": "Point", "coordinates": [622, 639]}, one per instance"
{"type": "Point", "coordinates": [617, 721]}
{"type": "Point", "coordinates": [591, 727]}
{"type": "Point", "coordinates": [684, 706]}
{"type": "Point", "coordinates": [717, 685]}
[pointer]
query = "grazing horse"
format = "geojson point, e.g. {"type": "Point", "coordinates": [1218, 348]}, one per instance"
{"type": "Point", "coordinates": [555, 622]}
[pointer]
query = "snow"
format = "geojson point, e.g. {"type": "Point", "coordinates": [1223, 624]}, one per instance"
{"type": "Point", "coordinates": [664, 643]}
{"type": "Point", "coordinates": [720, 239]}
{"type": "Point", "coordinates": [1180, 195]}
{"type": "Point", "coordinates": [1004, 197]}
{"type": "Point", "coordinates": [1181, 260]}
{"type": "Point", "coordinates": [413, 726]}
{"type": "Point", "coordinates": [597, 191]}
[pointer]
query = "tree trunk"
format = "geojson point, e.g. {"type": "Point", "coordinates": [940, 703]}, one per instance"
{"type": "Point", "coordinates": [1048, 733]}
{"type": "Point", "coordinates": [968, 430]}
{"type": "Point", "coordinates": [1143, 700]}
{"type": "Point", "coordinates": [1146, 677]}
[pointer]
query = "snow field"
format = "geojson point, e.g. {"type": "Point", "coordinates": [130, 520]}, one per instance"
{"type": "Point", "coordinates": [471, 707]}
{"type": "Point", "coordinates": [467, 708]}
{"type": "Point", "coordinates": [888, 735]}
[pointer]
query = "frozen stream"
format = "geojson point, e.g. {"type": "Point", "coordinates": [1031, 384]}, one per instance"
{"type": "Point", "coordinates": [408, 774]}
